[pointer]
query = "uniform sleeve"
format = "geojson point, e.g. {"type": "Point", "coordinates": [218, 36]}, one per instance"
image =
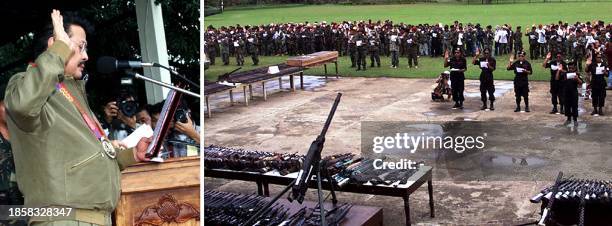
{"type": "Point", "coordinates": [27, 92]}
{"type": "Point", "coordinates": [493, 63]}
{"type": "Point", "coordinates": [463, 64]}
{"type": "Point", "coordinates": [125, 158]}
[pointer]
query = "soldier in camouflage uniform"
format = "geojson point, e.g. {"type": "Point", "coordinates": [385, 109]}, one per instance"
{"type": "Point", "coordinates": [517, 38]}
{"type": "Point", "coordinates": [579, 49]}
{"type": "Point", "coordinates": [224, 45]}
{"type": "Point", "coordinates": [251, 46]}
{"type": "Point", "coordinates": [394, 43]}
{"type": "Point", "coordinates": [239, 48]}
{"type": "Point", "coordinates": [446, 39]}
{"type": "Point", "coordinates": [489, 38]}
{"type": "Point", "coordinates": [361, 42]}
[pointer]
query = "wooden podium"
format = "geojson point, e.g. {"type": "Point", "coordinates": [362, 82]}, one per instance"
{"type": "Point", "coordinates": [160, 194]}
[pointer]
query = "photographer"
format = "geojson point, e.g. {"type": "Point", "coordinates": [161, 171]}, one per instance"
{"type": "Point", "coordinates": [120, 116]}
{"type": "Point", "coordinates": [183, 131]}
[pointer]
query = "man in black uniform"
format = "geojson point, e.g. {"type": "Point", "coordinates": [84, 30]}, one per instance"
{"type": "Point", "coordinates": [533, 43]}
{"type": "Point", "coordinates": [598, 70]}
{"type": "Point", "coordinates": [457, 66]}
{"type": "Point", "coordinates": [487, 66]}
{"type": "Point", "coordinates": [570, 91]}
{"type": "Point", "coordinates": [556, 84]}
{"type": "Point", "coordinates": [522, 69]}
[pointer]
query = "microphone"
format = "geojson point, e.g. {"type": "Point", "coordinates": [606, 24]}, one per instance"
{"type": "Point", "coordinates": [108, 64]}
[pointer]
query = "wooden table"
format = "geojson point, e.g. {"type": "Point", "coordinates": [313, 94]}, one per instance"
{"type": "Point", "coordinates": [213, 88]}
{"type": "Point", "coordinates": [246, 79]}
{"type": "Point", "coordinates": [403, 190]}
{"type": "Point", "coordinates": [315, 60]}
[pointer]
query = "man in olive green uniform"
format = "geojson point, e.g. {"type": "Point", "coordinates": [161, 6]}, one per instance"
{"type": "Point", "coordinates": [579, 49]}
{"type": "Point", "coordinates": [63, 157]}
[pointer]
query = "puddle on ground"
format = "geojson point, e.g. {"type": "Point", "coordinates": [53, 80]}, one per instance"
{"type": "Point", "coordinates": [512, 151]}
{"type": "Point", "coordinates": [501, 160]}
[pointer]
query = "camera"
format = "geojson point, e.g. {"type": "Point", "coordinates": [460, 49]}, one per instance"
{"type": "Point", "coordinates": [129, 108]}
{"type": "Point", "coordinates": [181, 115]}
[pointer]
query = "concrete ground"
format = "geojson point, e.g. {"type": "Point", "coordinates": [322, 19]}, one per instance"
{"type": "Point", "coordinates": [289, 121]}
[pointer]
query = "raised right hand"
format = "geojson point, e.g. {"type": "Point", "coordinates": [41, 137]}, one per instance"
{"type": "Point", "coordinates": [59, 34]}
{"type": "Point", "coordinates": [548, 56]}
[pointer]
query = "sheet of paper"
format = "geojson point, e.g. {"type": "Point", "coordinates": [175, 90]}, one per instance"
{"type": "Point", "coordinates": [358, 43]}
{"type": "Point", "coordinates": [571, 75]}
{"type": "Point", "coordinates": [554, 67]}
{"type": "Point", "coordinates": [520, 70]}
{"type": "Point", "coordinates": [192, 150]}
{"type": "Point", "coordinates": [142, 131]}
{"type": "Point", "coordinates": [484, 64]}
{"type": "Point", "coordinates": [236, 44]}
{"type": "Point", "coordinates": [599, 70]}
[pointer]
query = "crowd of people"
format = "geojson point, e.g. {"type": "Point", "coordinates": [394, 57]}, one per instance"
{"type": "Point", "coordinates": [374, 38]}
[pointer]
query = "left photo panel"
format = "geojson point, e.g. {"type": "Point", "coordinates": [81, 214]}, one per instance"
{"type": "Point", "coordinates": [100, 112]}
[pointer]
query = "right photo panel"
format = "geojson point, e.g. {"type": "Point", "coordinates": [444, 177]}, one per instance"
{"type": "Point", "coordinates": [393, 112]}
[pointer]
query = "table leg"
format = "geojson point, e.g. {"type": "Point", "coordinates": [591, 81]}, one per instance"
{"type": "Point", "coordinates": [251, 91]}
{"type": "Point", "coordinates": [325, 67]}
{"type": "Point", "coordinates": [280, 82]}
{"type": "Point", "coordinates": [266, 189]}
{"type": "Point", "coordinates": [259, 188]}
{"type": "Point", "coordinates": [407, 209]}
{"type": "Point", "coordinates": [231, 94]}
{"type": "Point", "coordinates": [291, 82]}
{"type": "Point", "coordinates": [246, 97]}
{"type": "Point", "coordinates": [263, 87]}
{"type": "Point", "coordinates": [431, 202]}
{"type": "Point", "coordinates": [302, 80]}
{"type": "Point", "coordinates": [208, 107]}
{"type": "Point", "coordinates": [336, 63]}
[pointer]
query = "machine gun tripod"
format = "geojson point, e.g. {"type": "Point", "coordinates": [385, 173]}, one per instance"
{"type": "Point", "coordinates": [313, 164]}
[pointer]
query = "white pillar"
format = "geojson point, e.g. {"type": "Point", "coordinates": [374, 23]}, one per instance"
{"type": "Point", "coordinates": [153, 47]}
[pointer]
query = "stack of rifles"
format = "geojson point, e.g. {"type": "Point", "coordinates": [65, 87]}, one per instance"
{"type": "Point", "coordinates": [235, 209]}
{"type": "Point", "coordinates": [573, 201]}
{"type": "Point", "coordinates": [343, 168]}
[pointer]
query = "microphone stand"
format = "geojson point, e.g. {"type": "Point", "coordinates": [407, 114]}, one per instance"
{"type": "Point", "coordinates": [169, 86]}
{"type": "Point", "coordinates": [173, 72]}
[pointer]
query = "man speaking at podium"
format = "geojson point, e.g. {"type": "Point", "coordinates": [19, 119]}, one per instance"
{"type": "Point", "coordinates": [62, 156]}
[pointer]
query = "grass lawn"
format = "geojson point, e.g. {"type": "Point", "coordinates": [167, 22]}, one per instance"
{"type": "Point", "coordinates": [428, 68]}
{"type": "Point", "coordinates": [514, 14]}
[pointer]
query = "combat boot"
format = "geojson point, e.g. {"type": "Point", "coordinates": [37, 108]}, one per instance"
{"type": "Point", "coordinates": [554, 110]}
{"type": "Point", "coordinates": [484, 106]}
{"type": "Point", "coordinates": [601, 111]}
{"type": "Point", "coordinates": [492, 108]}
{"type": "Point", "coordinates": [594, 111]}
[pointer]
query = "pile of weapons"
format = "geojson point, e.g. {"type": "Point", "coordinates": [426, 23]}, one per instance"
{"type": "Point", "coordinates": [361, 171]}
{"type": "Point", "coordinates": [216, 157]}
{"type": "Point", "coordinates": [565, 202]}
{"type": "Point", "coordinates": [235, 209]}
